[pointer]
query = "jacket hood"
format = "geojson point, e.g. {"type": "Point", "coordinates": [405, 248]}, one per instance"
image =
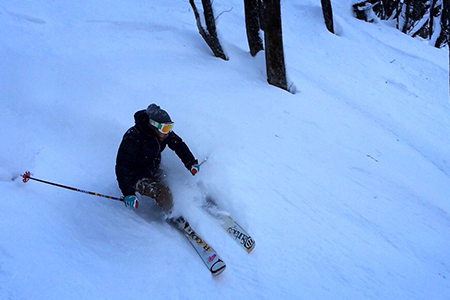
{"type": "Point", "coordinates": [142, 122]}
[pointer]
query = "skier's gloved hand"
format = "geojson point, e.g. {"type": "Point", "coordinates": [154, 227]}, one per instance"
{"type": "Point", "coordinates": [195, 168]}
{"type": "Point", "coordinates": [131, 201]}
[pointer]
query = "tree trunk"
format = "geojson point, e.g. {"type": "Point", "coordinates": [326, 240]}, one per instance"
{"type": "Point", "coordinates": [273, 39]}
{"type": "Point", "coordinates": [210, 34]}
{"type": "Point", "coordinates": [407, 16]}
{"type": "Point", "coordinates": [328, 15]}
{"type": "Point", "coordinates": [445, 25]}
{"type": "Point", "coordinates": [252, 25]}
{"type": "Point", "coordinates": [432, 12]}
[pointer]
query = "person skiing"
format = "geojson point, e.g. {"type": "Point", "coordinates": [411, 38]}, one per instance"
{"type": "Point", "coordinates": [139, 157]}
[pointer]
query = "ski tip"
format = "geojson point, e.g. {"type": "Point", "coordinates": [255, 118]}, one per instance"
{"type": "Point", "coordinates": [249, 245]}
{"type": "Point", "coordinates": [218, 267]}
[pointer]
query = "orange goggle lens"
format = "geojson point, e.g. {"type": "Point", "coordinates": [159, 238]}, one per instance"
{"type": "Point", "coordinates": [166, 128]}
{"type": "Point", "coordinates": [162, 127]}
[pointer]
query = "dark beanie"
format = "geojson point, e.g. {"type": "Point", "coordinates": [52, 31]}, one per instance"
{"type": "Point", "coordinates": [157, 114]}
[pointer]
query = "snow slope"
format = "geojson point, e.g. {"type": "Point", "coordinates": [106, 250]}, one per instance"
{"type": "Point", "coordinates": [344, 186]}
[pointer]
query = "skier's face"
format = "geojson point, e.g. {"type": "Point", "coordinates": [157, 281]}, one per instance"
{"type": "Point", "coordinates": [161, 130]}
{"type": "Point", "coordinates": [161, 136]}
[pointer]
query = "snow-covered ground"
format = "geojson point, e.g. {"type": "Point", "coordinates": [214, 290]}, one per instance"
{"type": "Point", "coordinates": [345, 185]}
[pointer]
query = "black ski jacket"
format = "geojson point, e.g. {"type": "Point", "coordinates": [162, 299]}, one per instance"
{"type": "Point", "coordinates": [139, 154]}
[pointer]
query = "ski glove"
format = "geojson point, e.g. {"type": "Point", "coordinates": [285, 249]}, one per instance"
{"type": "Point", "coordinates": [194, 169]}
{"type": "Point", "coordinates": [131, 201]}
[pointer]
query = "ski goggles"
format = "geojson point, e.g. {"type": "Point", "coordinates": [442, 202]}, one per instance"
{"type": "Point", "coordinates": [164, 128]}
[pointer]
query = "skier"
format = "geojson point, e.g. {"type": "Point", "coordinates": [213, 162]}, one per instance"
{"type": "Point", "coordinates": [139, 157]}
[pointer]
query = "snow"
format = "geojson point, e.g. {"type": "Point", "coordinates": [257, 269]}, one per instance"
{"type": "Point", "coordinates": [344, 185]}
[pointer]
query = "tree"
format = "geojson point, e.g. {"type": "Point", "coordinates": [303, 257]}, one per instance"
{"type": "Point", "coordinates": [432, 15]}
{"type": "Point", "coordinates": [328, 15]}
{"type": "Point", "coordinates": [252, 24]}
{"type": "Point", "coordinates": [210, 33]}
{"type": "Point", "coordinates": [444, 36]}
{"type": "Point", "coordinates": [428, 19]}
{"type": "Point", "coordinates": [273, 40]}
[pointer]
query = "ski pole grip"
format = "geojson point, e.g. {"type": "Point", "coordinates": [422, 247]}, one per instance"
{"type": "Point", "coordinates": [26, 176]}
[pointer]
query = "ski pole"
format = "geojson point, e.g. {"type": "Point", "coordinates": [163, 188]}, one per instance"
{"type": "Point", "coordinates": [205, 160]}
{"type": "Point", "coordinates": [27, 176]}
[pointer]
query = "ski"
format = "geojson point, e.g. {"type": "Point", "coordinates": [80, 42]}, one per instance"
{"type": "Point", "coordinates": [208, 255]}
{"type": "Point", "coordinates": [231, 226]}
